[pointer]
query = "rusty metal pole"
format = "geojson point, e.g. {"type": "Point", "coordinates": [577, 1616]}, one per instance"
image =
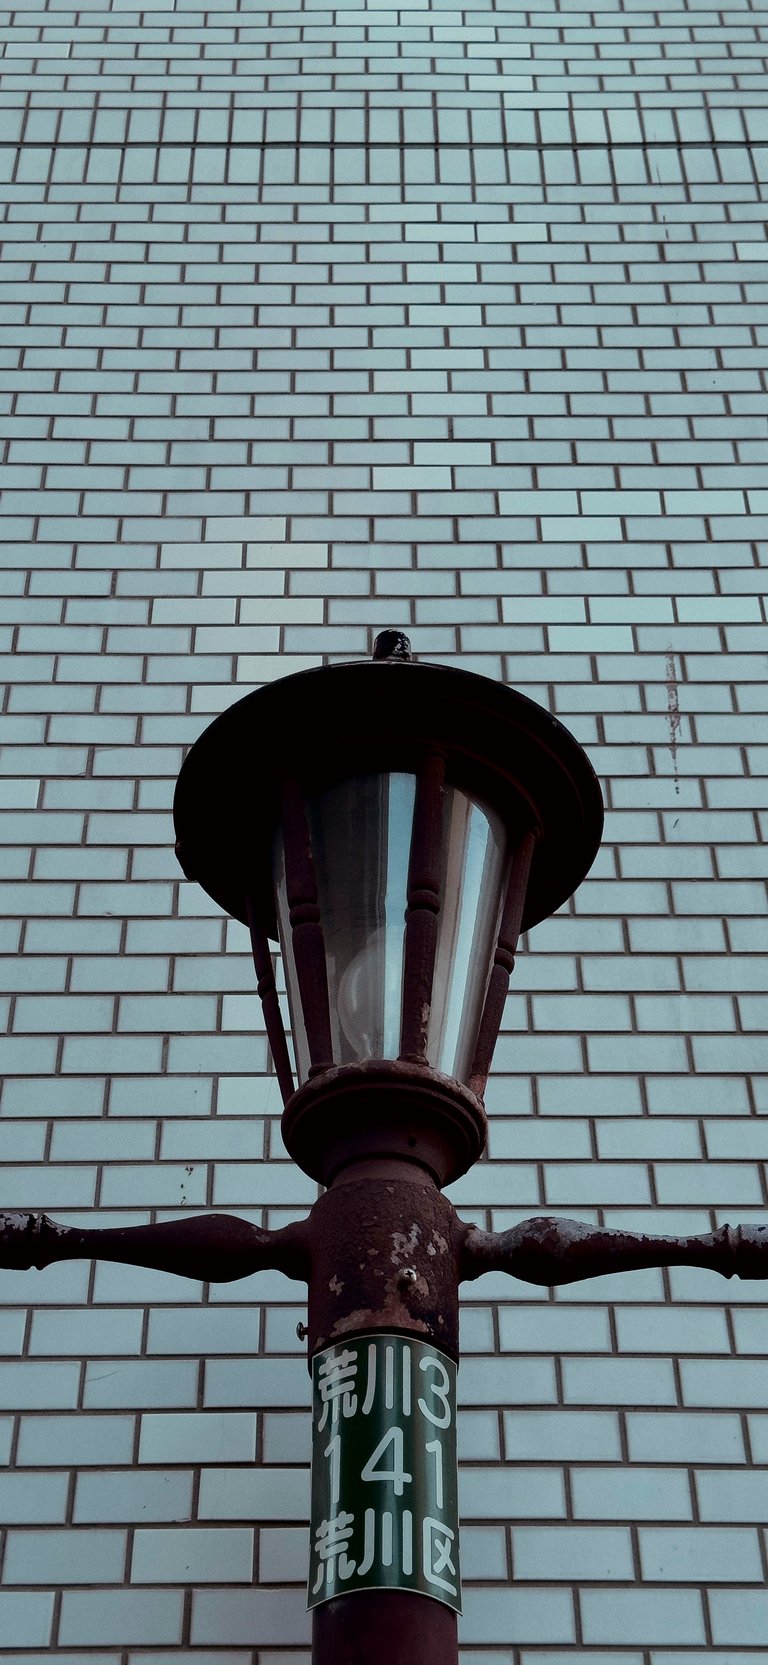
{"type": "Point", "coordinates": [384, 1256]}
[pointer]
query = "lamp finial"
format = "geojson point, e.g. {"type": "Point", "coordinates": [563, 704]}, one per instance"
{"type": "Point", "coordinates": [392, 644]}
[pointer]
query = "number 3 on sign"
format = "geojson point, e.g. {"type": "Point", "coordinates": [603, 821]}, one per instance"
{"type": "Point", "coordinates": [441, 1390]}
{"type": "Point", "coordinates": [396, 1473]}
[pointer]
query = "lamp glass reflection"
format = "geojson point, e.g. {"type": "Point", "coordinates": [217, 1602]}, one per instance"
{"type": "Point", "coordinates": [473, 876]}
{"type": "Point", "coordinates": [360, 833]}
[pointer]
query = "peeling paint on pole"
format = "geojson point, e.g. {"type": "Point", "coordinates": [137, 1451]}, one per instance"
{"type": "Point", "coordinates": [384, 1486]}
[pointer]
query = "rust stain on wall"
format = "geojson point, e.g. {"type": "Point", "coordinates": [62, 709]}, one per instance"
{"type": "Point", "coordinates": [674, 718]}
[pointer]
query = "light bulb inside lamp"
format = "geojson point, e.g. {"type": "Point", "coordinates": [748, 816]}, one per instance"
{"type": "Point", "coordinates": [369, 997]}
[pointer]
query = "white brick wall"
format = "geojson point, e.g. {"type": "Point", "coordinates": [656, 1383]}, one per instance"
{"type": "Point", "coordinates": [481, 357]}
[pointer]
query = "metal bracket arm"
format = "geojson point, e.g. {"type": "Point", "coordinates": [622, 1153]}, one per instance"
{"type": "Point", "coordinates": [554, 1251]}
{"type": "Point", "coordinates": [217, 1248]}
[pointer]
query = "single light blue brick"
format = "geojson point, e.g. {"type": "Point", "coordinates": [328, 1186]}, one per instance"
{"type": "Point", "coordinates": [739, 1616]}
{"type": "Point", "coordinates": [631, 1494]}
{"type": "Point", "coordinates": [275, 1616]}
{"type": "Point", "coordinates": [581, 1095]}
{"type": "Point", "coordinates": [206, 1331]}
{"type": "Point", "coordinates": [544, 1329]}
{"type": "Point", "coordinates": [66, 1557]}
{"type": "Point", "coordinates": [14, 864]}
{"type": "Point", "coordinates": [148, 1185]}
{"type": "Point", "coordinates": [120, 1495]}
{"type": "Point", "coordinates": [725, 1495]}
{"type": "Point", "coordinates": [132, 899]}
{"type": "Point", "coordinates": [571, 1552]}
{"type": "Point", "coordinates": [22, 1141]}
{"type": "Point", "coordinates": [51, 1187]}
{"type": "Point", "coordinates": [522, 1053]}
{"type": "Point", "coordinates": [736, 1137]}
{"type": "Point", "coordinates": [138, 972]}
{"type": "Point", "coordinates": [41, 1014]}
{"type": "Point", "coordinates": [11, 1341]}
{"type": "Point", "coordinates": [85, 1332]}
{"type": "Point", "coordinates": [750, 1331]}
{"type": "Point", "coordinates": [597, 1182]}
{"type": "Point", "coordinates": [649, 1138]}
{"type": "Point", "coordinates": [496, 1182]}
{"type": "Point", "coordinates": [113, 1054]}
{"type": "Point", "coordinates": [262, 1382]}
{"type": "Point", "coordinates": [581, 1012]}
{"type": "Point", "coordinates": [535, 1616]}
{"type": "Point", "coordinates": [192, 1554]}
{"type": "Point", "coordinates": [161, 1096]}
{"type": "Point", "coordinates": [511, 1493]}
{"type": "Point", "coordinates": [206, 1436]}
{"type": "Point", "coordinates": [638, 1052]}
{"type": "Point", "coordinates": [514, 1136]}
{"type": "Point", "coordinates": [244, 1095]}
{"type": "Point", "coordinates": [737, 1182]}
{"type": "Point", "coordinates": [619, 1381]}
{"type": "Point", "coordinates": [483, 1552]}
{"type": "Point", "coordinates": [254, 1184]}
{"type": "Point", "coordinates": [494, 1381]}
{"type": "Point", "coordinates": [41, 899]}
{"type": "Point", "coordinates": [684, 1436]}
{"type": "Point", "coordinates": [283, 1554]}
{"type": "Point", "coordinates": [166, 1012]}
{"type": "Point", "coordinates": [26, 1618]}
{"type": "Point", "coordinates": [31, 1499]}
{"type": "Point", "coordinates": [722, 1382]}
{"type": "Point", "coordinates": [122, 1383]}
{"type": "Point", "coordinates": [685, 1012]}
{"type": "Point", "coordinates": [477, 1330]}
{"type": "Point", "coordinates": [642, 1616]}
{"type": "Point", "coordinates": [254, 1494]}
{"type": "Point", "coordinates": [206, 1139]}
{"type": "Point", "coordinates": [700, 1554]}
{"type": "Point", "coordinates": [38, 1385]}
{"type": "Point", "coordinates": [121, 1616]}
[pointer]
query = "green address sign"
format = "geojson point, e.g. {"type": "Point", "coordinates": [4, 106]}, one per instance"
{"type": "Point", "coordinates": [384, 1495]}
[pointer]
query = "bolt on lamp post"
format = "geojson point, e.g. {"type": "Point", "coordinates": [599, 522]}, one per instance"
{"type": "Point", "coordinates": [395, 825]}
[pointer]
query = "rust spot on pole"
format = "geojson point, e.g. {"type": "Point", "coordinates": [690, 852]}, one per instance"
{"type": "Point", "coordinates": [353, 1289]}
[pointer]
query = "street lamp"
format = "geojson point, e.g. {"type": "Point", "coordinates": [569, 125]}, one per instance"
{"type": "Point", "coordinates": [395, 826]}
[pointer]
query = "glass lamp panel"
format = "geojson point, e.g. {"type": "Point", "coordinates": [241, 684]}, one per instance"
{"type": "Point", "coordinates": [298, 1031]}
{"type": "Point", "coordinates": [360, 833]}
{"type": "Point", "coordinates": [474, 868]}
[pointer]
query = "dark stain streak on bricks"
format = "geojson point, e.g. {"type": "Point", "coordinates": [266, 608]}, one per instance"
{"type": "Point", "coordinates": [673, 713]}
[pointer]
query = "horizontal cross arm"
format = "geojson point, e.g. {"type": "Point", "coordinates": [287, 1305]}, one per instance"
{"type": "Point", "coordinates": [555, 1251]}
{"type": "Point", "coordinates": [216, 1248]}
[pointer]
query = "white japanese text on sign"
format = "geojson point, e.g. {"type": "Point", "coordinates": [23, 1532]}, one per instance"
{"type": "Point", "coordinates": [384, 1505]}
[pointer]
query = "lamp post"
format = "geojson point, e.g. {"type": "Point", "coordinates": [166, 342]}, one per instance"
{"type": "Point", "coordinates": [395, 826]}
